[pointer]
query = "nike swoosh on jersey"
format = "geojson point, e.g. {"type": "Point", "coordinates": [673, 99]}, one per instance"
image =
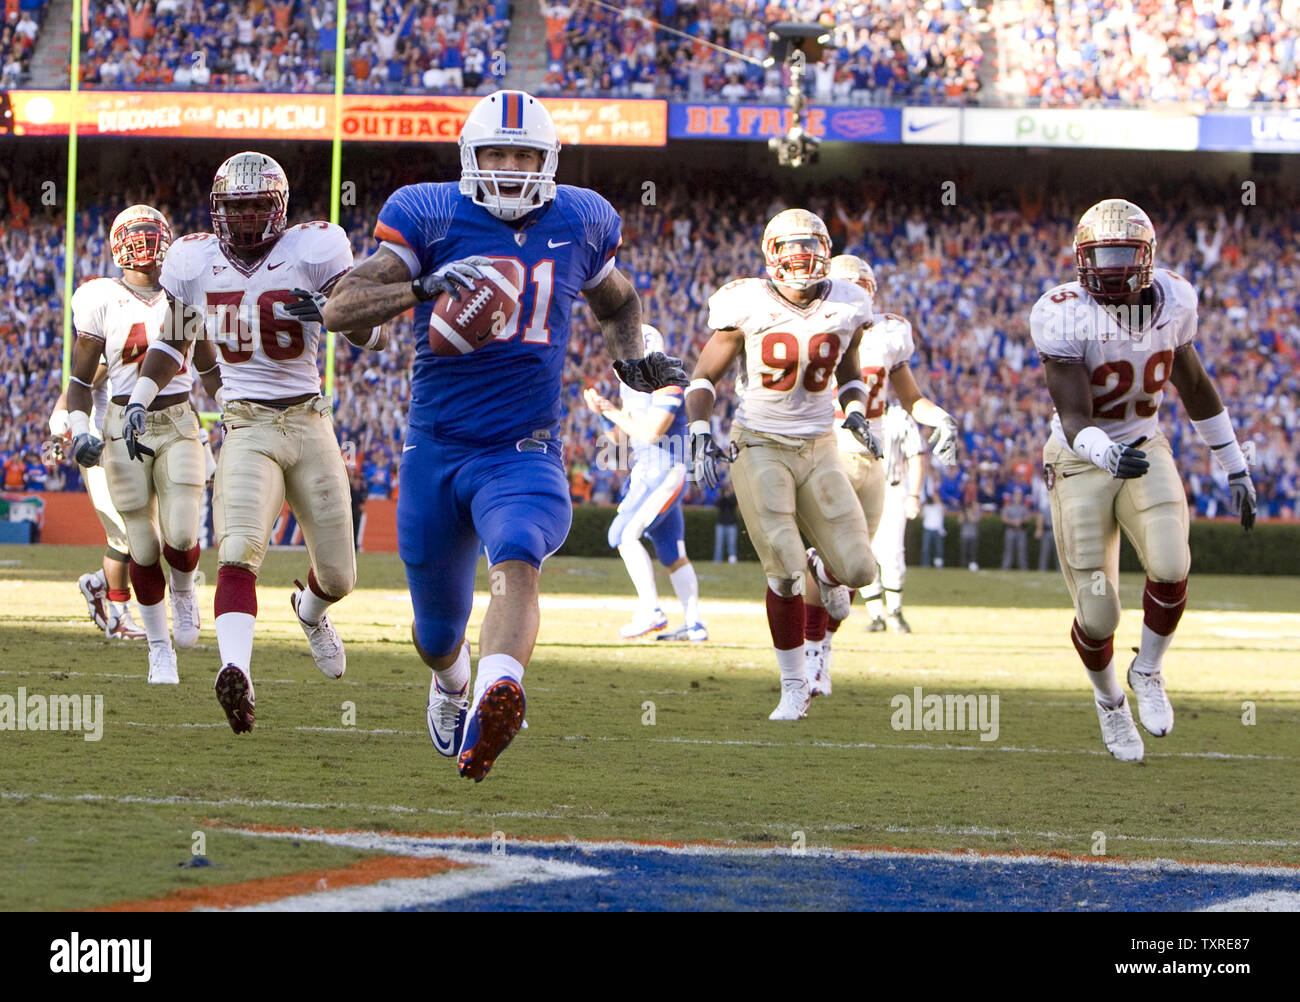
{"type": "Point", "coordinates": [407, 448]}
{"type": "Point", "coordinates": [552, 244]}
{"type": "Point", "coordinates": [272, 267]}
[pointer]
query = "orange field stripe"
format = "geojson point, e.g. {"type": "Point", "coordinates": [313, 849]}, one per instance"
{"type": "Point", "coordinates": [256, 892]}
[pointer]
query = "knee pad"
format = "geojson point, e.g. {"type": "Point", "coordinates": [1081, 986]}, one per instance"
{"type": "Point", "coordinates": [1168, 556]}
{"type": "Point", "coordinates": [787, 587]}
{"type": "Point", "coordinates": [241, 550]}
{"type": "Point", "coordinates": [142, 537]}
{"type": "Point", "coordinates": [1098, 615]}
{"type": "Point", "coordinates": [336, 581]}
{"type": "Point", "coordinates": [435, 637]}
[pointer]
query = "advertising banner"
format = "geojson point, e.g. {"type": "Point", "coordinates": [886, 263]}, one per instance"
{"type": "Point", "coordinates": [1079, 129]}
{"type": "Point", "coordinates": [1272, 132]}
{"type": "Point", "coordinates": [763, 121]}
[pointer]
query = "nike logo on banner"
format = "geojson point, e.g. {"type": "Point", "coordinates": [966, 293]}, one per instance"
{"type": "Point", "coordinates": [272, 267]}
{"type": "Point", "coordinates": [913, 127]}
{"type": "Point", "coordinates": [552, 244]}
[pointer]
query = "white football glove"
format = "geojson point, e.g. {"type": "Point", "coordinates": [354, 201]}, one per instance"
{"type": "Point", "coordinates": [1244, 499]}
{"type": "Point", "coordinates": [943, 442]}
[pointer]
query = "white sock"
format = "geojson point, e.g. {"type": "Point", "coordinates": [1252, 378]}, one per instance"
{"type": "Point", "coordinates": [687, 587]}
{"type": "Point", "coordinates": [1152, 652]}
{"type": "Point", "coordinates": [1109, 694]}
{"type": "Point", "coordinates": [494, 667]}
{"type": "Point", "coordinates": [116, 609]}
{"type": "Point", "coordinates": [454, 677]}
{"type": "Point", "coordinates": [875, 603]}
{"type": "Point", "coordinates": [893, 600]}
{"type": "Point", "coordinates": [791, 663]}
{"type": "Point", "coordinates": [181, 581]}
{"type": "Point", "coordinates": [311, 606]}
{"type": "Point", "coordinates": [235, 639]}
{"type": "Point", "coordinates": [642, 573]}
{"type": "Point", "coordinates": [154, 620]}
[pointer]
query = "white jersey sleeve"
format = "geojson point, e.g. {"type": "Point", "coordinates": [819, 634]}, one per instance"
{"type": "Point", "coordinates": [728, 308]}
{"type": "Point", "coordinates": [89, 304]}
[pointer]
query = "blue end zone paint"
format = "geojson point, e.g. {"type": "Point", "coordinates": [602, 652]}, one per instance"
{"type": "Point", "coordinates": [666, 880]}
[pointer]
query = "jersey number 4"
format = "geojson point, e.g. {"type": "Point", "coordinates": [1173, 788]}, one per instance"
{"type": "Point", "coordinates": [780, 351]}
{"type": "Point", "coordinates": [137, 344]}
{"type": "Point", "coordinates": [282, 338]}
{"type": "Point", "coordinates": [1154, 376]}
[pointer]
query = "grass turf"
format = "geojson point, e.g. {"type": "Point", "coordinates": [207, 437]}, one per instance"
{"type": "Point", "coordinates": [88, 824]}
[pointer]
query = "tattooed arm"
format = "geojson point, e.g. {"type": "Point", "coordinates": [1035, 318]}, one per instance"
{"type": "Point", "coordinates": [370, 294]}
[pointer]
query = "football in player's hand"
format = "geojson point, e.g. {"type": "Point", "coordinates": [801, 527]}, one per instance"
{"type": "Point", "coordinates": [460, 326]}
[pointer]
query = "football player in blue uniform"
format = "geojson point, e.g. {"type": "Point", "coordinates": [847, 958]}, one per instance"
{"type": "Point", "coordinates": [482, 459]}
{"type": "Point", "coordinates": [655, 424]}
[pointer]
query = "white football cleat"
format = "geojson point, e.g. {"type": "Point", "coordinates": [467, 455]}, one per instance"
{"type": "Point", "coordinates": [814, 668]}
{"type": "Point", "coordinates": [836, 599]}
{"type": "Point", "coordinates": [123, 627]}
{"type": "Point", "coordinates": [642, 625]}
{"type": "Point", "coordinates": [185, 618]}
{"type": "Point", "coordinates": [445, 714]}
{"type": "Point", "coordinates": [826, 666]}
{"type": "Point", "coordinates": [794, 700]}
{"type": "Point", "coordinates": [1154, 708]}
{"type": "Point", "coordinates": [694, 632]}
{"type": "Point", "coordinates": [96, 597]}
{"type": "Point", "coordinates": [162, 665]}
{"type": "Point", "coordinates": [326, 647]}
{"type": "Point", "coordinates": [1120, 733]}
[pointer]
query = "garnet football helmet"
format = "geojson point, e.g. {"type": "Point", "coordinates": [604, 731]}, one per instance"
{"type": "Point", "coordinates": [139, 238]}
{"type": "Point", "coordinates": [509, 118]}
{"type": "Point", "coordinates": [853, 269]}
{"type": "Point", "coordinates": [797, 248]}
{"type": "Point", "coordinates": [250, 201]}
{"type": "Point", "coordinates": [1114, 249]}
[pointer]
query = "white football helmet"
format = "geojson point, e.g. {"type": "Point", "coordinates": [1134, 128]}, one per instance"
{"type": "Point", "coordinates": [654, 341]}
{"type": "Point", "coordinates": [797, 248]}
{"type": "Point", "coordinates": [853, 269]}
{"type": "Point", "coordinates": [509, 118]}
{"type": "Point", "coordinates": [250, 201]}
{"type": "Point", "coordinates": [139, 238]}
{"type": "Point", "coordinates": [1114, 249]}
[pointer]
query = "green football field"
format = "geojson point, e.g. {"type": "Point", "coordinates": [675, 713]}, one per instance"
{"type": "Point", "coordinates": [641, 740]}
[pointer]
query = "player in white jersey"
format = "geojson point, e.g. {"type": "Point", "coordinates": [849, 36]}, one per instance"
{"type": "Point", "coordinates": [107, 590]}
{"type": "Point", "coordinates": [1109, 342]}
{"type": "Point", "coordinates": [792, 332]}
{"type": "Point", "coordinates": [253, 289]}
{"type": "Point", "coordinates": [655, 424]}
{"type": "Point", "coordinates": [116, 320]}
{"type": "Point", "coordinates": [885, 353]}
{"type": "Point", "coordinates": [904, 465]}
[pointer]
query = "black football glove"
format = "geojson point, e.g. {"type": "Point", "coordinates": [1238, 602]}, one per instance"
{"type": "Point", "coordinates": [132, 429]}
{"type": "Point", "coordinates": [1244, 500]}
{"type": "Point", "coordinates": [857, 425]}
{"type": "Point", "coordinates": [450, 279]}
{"type": "Point", "coordinates": [706, 454]}
{"type": "Point", "coordinates": [651, 373]}
{"type": "Point", "coordinates": [308, 307]}
{"type": "Point", "coordinates": [86, 449]}
{"type": "Point", "coordinates": [1123, 462]}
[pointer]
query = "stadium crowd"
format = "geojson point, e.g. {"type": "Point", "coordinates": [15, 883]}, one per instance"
{"type": "Point", "coordinates": [966, 285]}
{"type": "Point", "coordinates": [1064, 54]}
{"type": "Point", "coordinates": [22, 23]}
{"type": "Point", "coordinates": [290, 45]}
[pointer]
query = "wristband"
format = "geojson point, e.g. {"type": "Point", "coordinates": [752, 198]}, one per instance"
{"type": "Point", "coordinates": [1092, 444]}
{"type": "Point", "coordinates": [852, 384]}
{"type": "Point", "coordinates": [702, 384]}
{"type": "Point", "coordinates": [419, 292]}
{"type": "Point", "coordinates": [700, 428]}
{"type": "Point", "coordinates": [167, 349]}
{"type": "Point", "coordinates": [1216, 432]}
{"type": "Point", "coordinates": [59, 421]}
{"type": "Point", "coordinates": [855, 407]}
{"type": "Point", "coordinates": [145, 391]}
{"type": "Point", "coordinates": [81, 382]}
{"type": "Point", "coordinates": [78, 423]}
{"type": "Point", "coordinates": [375, 335]}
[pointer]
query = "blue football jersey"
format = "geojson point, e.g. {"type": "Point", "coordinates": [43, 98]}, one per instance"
{"type": "Point", "coordinates": [510, 388]}
{"type": "Point", "coordinates": [671, 447]}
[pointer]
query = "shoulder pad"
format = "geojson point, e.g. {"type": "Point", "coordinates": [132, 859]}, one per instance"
{"type": "Point", "coordinates": [317, 242]}
{"type": "Point", "coordinates": [186, 257]}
